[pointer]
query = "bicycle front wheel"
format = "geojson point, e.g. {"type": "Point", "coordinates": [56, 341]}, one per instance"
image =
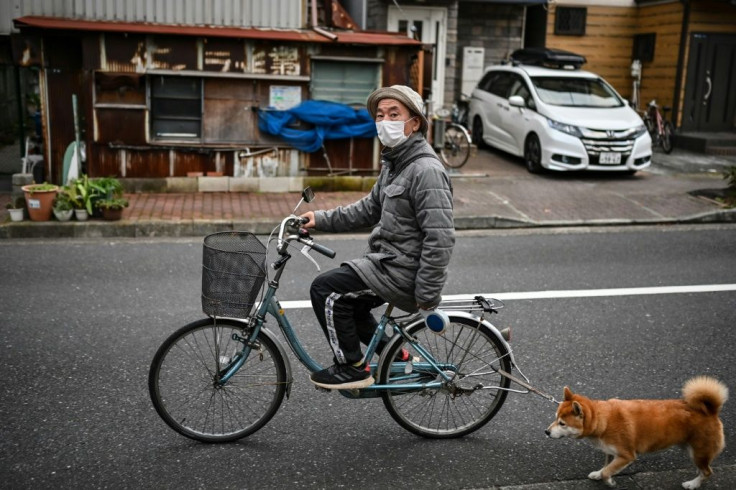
{"type": "Point", "coordinates": [470, 355]}
{"type": "Point", "coordinates": [184, 382]}
{"type": "Point", "coordinates": [667, 130]}
{"type": "Point", "coordinates": [456, 150]}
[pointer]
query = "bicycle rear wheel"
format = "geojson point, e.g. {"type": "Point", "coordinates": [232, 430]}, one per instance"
{"type": "Point", "coordinates": [471, 355]}
{"type": "Point", "coordinates": [456, 150]}
{"type": "Point", "coordinates": [184, 388]}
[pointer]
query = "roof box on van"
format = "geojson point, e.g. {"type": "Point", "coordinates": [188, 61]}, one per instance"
{"type": "Point", "coordinates": [552, 58]}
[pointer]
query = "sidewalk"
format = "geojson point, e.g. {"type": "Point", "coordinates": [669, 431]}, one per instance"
{"type": "Point", "coordinates": [492, 191]}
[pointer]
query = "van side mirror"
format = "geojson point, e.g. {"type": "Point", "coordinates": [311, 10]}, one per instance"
{"type": "Point", "coordinates": [517, 101]}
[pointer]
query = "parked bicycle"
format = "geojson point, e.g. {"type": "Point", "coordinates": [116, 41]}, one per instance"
{"type": "Point", "coordinates": [659, 128]}
{"type": "Point", "coordinates": [224, 377]}
{"type": "Point", "coordinates": [451, 140]}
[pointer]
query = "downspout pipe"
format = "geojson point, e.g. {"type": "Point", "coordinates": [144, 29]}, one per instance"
{"type": "Point", "coordinates": [21, 110]}
{"type": "Point", "coordinates": [680, 61]}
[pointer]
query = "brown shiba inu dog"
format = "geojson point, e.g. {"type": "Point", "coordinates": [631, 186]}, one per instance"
{"type": "Point", "coordinates": [624, 428]}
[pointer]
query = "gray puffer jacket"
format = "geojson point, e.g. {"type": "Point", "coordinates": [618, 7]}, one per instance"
{"type": "Point", "coordinates": [410, 246]}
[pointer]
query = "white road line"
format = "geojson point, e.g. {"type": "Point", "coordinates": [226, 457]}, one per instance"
{"type": "Point", "coordinates": [576, 293]}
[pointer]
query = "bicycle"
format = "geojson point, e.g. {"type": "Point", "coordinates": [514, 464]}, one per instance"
{"type": "Point", "coordinates": [659, 128]}
{"type": "Point", "coordinates": [451, 140]}
{"type": "Point", "coordinates": [224, 377]}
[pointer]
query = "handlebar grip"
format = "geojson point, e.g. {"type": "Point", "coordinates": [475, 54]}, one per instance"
{"type": "Point", "coordinates": [323, 250]}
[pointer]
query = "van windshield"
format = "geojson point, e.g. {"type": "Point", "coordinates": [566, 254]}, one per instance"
{"type": "Point", "coordinates": [576, 92]}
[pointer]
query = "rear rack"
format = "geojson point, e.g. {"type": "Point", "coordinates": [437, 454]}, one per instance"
{"type": "Point", "coordinates": [479, 303]}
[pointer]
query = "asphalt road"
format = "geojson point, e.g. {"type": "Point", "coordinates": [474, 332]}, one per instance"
{"type": "Point", "coordinates": [81, 320]}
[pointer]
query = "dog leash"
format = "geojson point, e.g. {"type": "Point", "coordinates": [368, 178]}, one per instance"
{"type": "Point", "coordinates": [528, 386]}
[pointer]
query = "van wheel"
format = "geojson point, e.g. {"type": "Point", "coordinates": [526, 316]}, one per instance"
{"type": "Point", "coordinates": [533, 154]}
{"type": "Point", "coordinates": [477, 134]}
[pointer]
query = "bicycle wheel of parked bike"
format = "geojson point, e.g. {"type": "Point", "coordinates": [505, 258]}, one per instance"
{"type": "Point", "coordinates": [667, 130]}
{"type": "Point", "coordinates": [456, 149]}
{"type": "Point", "coordinates": [470, 355]}
{"type": "Point", "coordinates": [184, 388]}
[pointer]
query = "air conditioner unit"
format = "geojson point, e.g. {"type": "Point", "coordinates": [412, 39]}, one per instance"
{"type": "Point", "coordinates": [472, 70]}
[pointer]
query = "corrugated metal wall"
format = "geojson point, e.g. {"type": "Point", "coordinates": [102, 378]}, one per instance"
{"type": "Point", "coordinates": [238, 13]}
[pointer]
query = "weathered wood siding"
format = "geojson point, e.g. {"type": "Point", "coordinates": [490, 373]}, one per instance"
{"type": "Point", "coordinates": [607, 43]}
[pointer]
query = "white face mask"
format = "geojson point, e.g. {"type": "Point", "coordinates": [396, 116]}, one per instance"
{"type": "Point", "coordinates": [391, 133]}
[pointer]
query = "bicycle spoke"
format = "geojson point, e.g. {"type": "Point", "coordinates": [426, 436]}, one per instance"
{"type": "Point", "coordinates": [470, 357]}
{"type": "Point", "coordinates": [190, 396]}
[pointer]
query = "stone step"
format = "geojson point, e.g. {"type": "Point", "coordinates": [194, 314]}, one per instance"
{"type": "Point", "coordinates": [721, 150]}
{"type": "Point", "coordinates": [721, 143]}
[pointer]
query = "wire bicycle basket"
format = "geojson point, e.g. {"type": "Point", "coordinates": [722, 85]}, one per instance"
{"type": "Point", "coordinates": [233, 271]}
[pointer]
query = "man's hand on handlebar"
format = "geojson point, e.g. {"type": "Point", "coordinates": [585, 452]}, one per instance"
{"type": "Point", "coordinates": [309, 215]}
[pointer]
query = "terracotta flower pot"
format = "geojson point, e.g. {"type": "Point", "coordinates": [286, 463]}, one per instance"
{"type": "Point", "coordinates": [39, 201]}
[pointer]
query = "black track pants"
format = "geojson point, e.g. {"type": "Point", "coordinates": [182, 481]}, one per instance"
{"type": "Point", "coordinates": [342, 303]}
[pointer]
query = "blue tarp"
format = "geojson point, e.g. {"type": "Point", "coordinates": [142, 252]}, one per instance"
{"type": "Point", "coordinates": [330, 120]}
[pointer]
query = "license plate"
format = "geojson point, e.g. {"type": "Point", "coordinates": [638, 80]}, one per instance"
{"type": "Point", "coordinates": [609, 158]}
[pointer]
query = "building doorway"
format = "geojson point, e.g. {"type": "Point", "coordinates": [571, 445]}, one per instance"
{"type": "Point", "coordinates": [428, 25]}
{"type": "Point", "coordinates": [710, 101]}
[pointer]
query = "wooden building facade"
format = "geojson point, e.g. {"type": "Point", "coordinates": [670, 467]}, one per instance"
{"type": "Point", "coordinates": [160, 100]}
{"type": "Point", "coordinates": [687, 50]}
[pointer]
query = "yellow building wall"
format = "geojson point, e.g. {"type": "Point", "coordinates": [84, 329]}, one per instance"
{"type": "Point", "coordinates": [607, 43]}
{"type": "Point", "coordinates": [609, 39]}
{"type": "Point", "coordinates": [711, 16]}
{"type": "Point", "coordinates": [658, 76]}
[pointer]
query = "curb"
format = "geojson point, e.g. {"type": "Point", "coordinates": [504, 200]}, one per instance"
{"type": "Point", "coordinates": [197, 227]}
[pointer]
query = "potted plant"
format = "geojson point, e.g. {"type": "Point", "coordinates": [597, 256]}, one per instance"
{"type": "Point", "coordinates": [112, 208]}
{"type": "Point", "coordinates": [104, 188]}
{"type": "Point", "coordinates": [63, 205]}
{"type": "Point", "coordinates": [40, 200]}
{"type": "Point", "coordinates": [17, 208]}
{"type": "Point", "coordinates": [82, 192]}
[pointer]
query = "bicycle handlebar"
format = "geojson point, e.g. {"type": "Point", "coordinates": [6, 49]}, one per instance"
{"type": "Point", "coordinates": [321, 249]}
{"type": "Point", "coordinates": [291, 230]}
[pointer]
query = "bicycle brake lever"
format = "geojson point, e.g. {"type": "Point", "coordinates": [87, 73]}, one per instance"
{"type": "Point", "coordinates": [305, 252]}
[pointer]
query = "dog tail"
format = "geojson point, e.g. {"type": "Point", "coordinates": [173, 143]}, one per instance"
{"type": "Point", "coordinates": [705, 394]}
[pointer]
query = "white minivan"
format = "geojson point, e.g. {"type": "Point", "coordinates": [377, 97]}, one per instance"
{"type": "Point", "coordinates": [542, 107]}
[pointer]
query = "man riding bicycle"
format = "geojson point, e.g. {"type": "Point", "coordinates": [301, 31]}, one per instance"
{"type": "Point", "coordinates": [409, 248]}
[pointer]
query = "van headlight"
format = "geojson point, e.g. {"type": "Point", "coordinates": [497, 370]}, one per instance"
{"type": "Point", "coordinates": [565, 128]}
{"type": "Point", "coordinates": [638, 131]}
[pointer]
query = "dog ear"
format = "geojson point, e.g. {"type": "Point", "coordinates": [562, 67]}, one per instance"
{"type": "Point", "coordinates": [577, 409]}
{"type": "Point", "coordinates": [568, 394]}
